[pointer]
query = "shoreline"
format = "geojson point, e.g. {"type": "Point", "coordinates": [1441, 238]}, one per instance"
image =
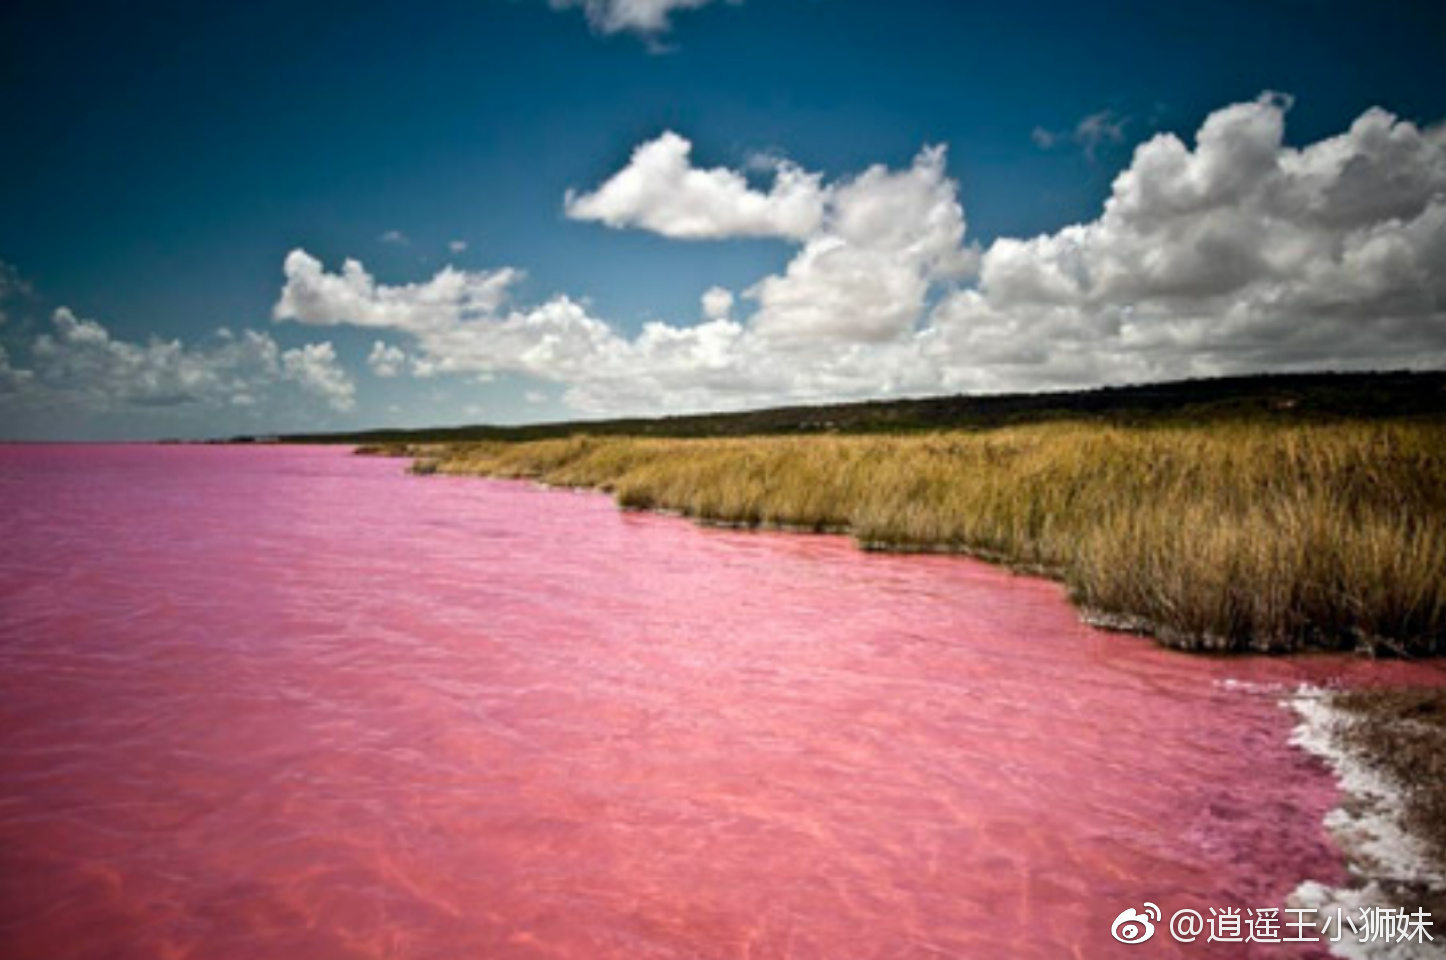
{"type": "Point", "coordinates": [1245, 538]}
{"type": "Point", "coordinates": [1391, 862]}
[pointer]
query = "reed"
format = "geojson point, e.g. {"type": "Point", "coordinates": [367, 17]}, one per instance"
{"type": "Point", "coordinates": [1233, 536]}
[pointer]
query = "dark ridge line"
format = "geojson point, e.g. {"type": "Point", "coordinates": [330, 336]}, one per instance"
{"type": "Point", "coordinates": [1286, 397]}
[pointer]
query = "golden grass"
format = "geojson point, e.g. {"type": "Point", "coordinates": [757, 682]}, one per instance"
{"type": "Point", "coordinates": [1231, 536]}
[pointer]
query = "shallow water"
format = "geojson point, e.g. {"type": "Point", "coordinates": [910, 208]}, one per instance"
{"type": "Point", "coordinates": [290, 703]}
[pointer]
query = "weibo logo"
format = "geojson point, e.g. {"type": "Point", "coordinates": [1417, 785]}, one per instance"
{"type": "Point", "coordinates": [1133, 926]}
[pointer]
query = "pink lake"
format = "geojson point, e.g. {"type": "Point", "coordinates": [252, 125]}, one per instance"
{"type": "Point", "coordinates": [291, 703]}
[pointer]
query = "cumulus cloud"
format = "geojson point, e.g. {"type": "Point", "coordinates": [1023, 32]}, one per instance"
{"type": "Point", "coordinates": [661, 190]}
{"type": "Point", "coordinates": [716, 363]}
{"type": "Point", "coordinates": [354, 297]}
{"type": "Point", "coordinates": [717, 303]}
{"type": "Point", "coordinates": [873, 245]}
{"type": "Point", "coordinates": [461, 321]}
{"type": "Point", "coordinates": [386, 360]}
{"type": "Point", "coordinates": [872, 249]}
{"type": "Point", "coordinates": [78, 363]}
{"type": "Point", "coordinates": [645, 17]}
{"type": "Point", "coordinates": [887, 238]}
{"type": "Point", "coordinates": [314, 368]}
{"type": "Point", "coordinates": [1230, 254]}
{"type": "Point", "coordinates": [1241, 253]}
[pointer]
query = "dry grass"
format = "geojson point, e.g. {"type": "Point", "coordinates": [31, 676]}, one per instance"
{"type": "Point", "coordinates": [1232, 536]}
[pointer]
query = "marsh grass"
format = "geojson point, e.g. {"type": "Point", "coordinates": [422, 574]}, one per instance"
{"type": "Point", "coordinates": [1232, 536]}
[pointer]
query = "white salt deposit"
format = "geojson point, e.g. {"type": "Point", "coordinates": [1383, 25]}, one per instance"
{"type": "Point", "coordinates": [1367, 827]}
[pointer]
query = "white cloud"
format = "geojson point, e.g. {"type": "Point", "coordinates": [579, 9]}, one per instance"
{"type": "Point", "coordinates": [660, 190]}
{"type": "Point", "coordinates": [395, 238]}
{"type": "Point", "coordinates": [1233, 254]}
{"type": "Point", "coordinates": [1238, 254]}
{"type": "Point", "coordinates": [645, 17]}
{"type": "Point", "coordinates": [459, 319]}
{"type": "Point", "coordinates": [457, 246]}
{"type": "Point", "coordinates": [354, 297]}
{"type": "Point", "coordinates": [880, 243]}
{"type": "Point", "coordinates": [80, 364]}
{"type": "Point", "coordinates": [315, 368]}
{"type": "Point", "coordinates": [386, 360]}
{"type": "Point", "coordinates": [558, 341]}
{"type": "Point", "coordinates": [535, 397]}
{"type": "Point", "coordinates": [874, 245]}
{"type": "Point", "coordinates": [887, 239]}
{"type": "Point", "coordinates": [717, 303]}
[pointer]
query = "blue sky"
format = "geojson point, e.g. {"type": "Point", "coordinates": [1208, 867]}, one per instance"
{"type": "Point", "coordinates": [163, 161]}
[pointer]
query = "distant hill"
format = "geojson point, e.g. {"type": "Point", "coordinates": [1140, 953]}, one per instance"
{"type": "Point", "coordinates": [1308, 397]}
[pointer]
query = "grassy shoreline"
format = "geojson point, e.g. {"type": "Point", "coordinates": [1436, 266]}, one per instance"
{"type": "Point", "coordinates": [1248, 537]}
{"type": "Point", "coordinates": [1237, 536]}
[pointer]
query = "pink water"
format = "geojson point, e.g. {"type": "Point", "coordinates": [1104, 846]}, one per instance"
{"type": "Point", "coordinates": [290, 703]}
